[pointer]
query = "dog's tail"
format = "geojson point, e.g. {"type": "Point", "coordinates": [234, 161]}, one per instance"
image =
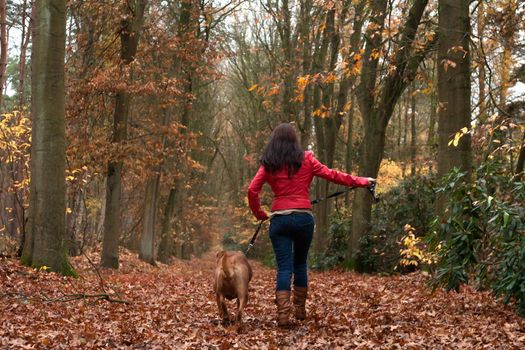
{"type": "Point", "coordinates": [225, 268]}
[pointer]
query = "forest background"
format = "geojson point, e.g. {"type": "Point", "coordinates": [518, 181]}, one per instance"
{"type": "Point", "coordinates": [166, 106]}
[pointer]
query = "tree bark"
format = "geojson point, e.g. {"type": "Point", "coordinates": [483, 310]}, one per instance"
{"type": "Point", "coordinates": [521, 160]}
{"type": "Point", "coordinates": [45, 244]}
{"type": "Point", "coordinates": [377, 108]}
{"type": "Point", "coordinates": [129, 38]}
{"type": "Point", "coordinates": [349, 154]}
{"type": "Point", "coordinates": [482, 116]}
{"type": "Point", "coordinates": [147, 240]}
{"type": "Point", "coordinates": [288, 105]}
{"type": "Point", "coordinates": [321, 227]}
{"type": "Point", "coordinates": [413, 136]}
{"type": "Point", "coordinates": [405, 136]}
{"type": "Point", "coordinates": [24, 43]}
{"type": "Point", "coordinates": [453, 88]}
{"type": "Point", "coordinates": [431, 138]}
{"type": "Point", "coordinates": [166, 247]}
{"type": "Point", "coordinates": [306, 129]}
{"type": "Point", "coordinates": [3, 49]}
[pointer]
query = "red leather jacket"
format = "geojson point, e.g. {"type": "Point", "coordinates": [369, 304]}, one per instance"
{"type": "Point", "coordinates": [294, 192]}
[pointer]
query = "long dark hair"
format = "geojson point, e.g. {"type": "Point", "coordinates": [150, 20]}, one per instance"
{"type": "Point", "coordinates": [283, 151]}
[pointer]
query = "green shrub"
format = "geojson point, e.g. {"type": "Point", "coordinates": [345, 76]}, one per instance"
{"type": "Point", "coordinates": [412, 203]}
{"type": "Point", "coordinates": [482, 235]}
{"type": "Point", "coordinates": [338, 233]}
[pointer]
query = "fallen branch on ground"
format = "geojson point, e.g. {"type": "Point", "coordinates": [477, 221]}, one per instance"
{"type": "Point", "coordinates": [65, 297]}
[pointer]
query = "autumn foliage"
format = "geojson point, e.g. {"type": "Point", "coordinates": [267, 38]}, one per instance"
{"type": "Point", "coordinates": [168, 105]}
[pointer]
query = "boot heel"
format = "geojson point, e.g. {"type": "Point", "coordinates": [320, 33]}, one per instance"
{"type": "Point", "coordinates": [282, 299]}
{"type": "Point", "coordinates": [299, 300]}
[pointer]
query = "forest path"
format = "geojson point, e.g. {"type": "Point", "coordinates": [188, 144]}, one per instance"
{"type": "Point", "coordinates": [173, 307]}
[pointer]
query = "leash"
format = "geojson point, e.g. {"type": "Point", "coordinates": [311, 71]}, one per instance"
{"type": "Point", "coordinates": [254, 237]}
{"type": "Point", "coordinates": [371, 189]}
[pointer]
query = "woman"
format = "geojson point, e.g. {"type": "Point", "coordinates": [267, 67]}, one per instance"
{"type": "Point", "coordinates": [289, 171]}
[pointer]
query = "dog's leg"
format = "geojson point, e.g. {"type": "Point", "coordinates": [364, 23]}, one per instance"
{"type": "Point", "coordinates": [223, 309]}
{"type": "Point", "coordinates": [241, 303]}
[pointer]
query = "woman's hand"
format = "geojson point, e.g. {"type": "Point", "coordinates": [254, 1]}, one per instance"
{"type": "Point", "coordinates": [371, 181]}
{"type": "Point", "coordinates": [262, 216]}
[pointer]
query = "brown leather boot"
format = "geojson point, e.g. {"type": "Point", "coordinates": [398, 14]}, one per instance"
{"type": "Point", "coordinates": [284, 306]}
{"type": "Point", "coordinates": [299, 301]}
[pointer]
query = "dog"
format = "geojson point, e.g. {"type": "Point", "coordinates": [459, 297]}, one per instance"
{"type": "Point", "coordinates": [232, 276]}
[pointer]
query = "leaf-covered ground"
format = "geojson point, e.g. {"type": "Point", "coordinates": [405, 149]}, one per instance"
{"type": "Point", "coordinates": [173, 307]}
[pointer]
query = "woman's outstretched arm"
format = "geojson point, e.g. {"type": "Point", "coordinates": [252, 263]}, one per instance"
{"type": "Point", "coordinates": [339, 177]}
{"type": "Point", "coordinates": [253, 194]}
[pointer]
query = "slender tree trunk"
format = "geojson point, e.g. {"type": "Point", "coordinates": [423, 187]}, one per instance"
{"type": "Point", "coordinates": [399, 133]}
{"type": "Point", "coordinates": [288, 108]}
{"type": "Point", "coordinates": [3, 49]}
{"type": "Point", "coordinates": [481, 65]}
{"type": "Point", "coordinates": [175, 206]}
{"type": "Point", "coordinates": [149, 227]}
{"type": "Point", "coordinates": [349, 154]}
{"type": "Point", "coordinates": [129, 38]}
{"type": "Point", "coordinates": [23, 55]}
{"type": "Point", "coordinates": [377, 103]}
{"type": "Point", "coordinates": [147, 240]}
{"type": "Point", "coordinates": [319, 65]}
{"type": "Point", "coordinates": [102, 213]}
{"type": "Point", "coordinates": [521, 159]}
{"type": "Point", "coordinates": [166, 247]}
{"type": "Point", "coordinates": [413, 136]}
{"type": "Point", "coordinates": [45, 244]}
{"type": "Point", "coordinates": [431, 138]}
{"type": "Point", "coordinates": [372, 148]}
{"type": "Point", "coordinates": [504, 73]}
{"type": "Point", "coordinates": [453, 88]}
{"type": "Point", "coordinates": [405, 136]}
{"type": "Point", "coordinates": [306, 129]}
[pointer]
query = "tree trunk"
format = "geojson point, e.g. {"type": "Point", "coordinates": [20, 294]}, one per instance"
{"type": "Point", "coordinates": [166, 246]}
{"type": "Point", "coordinates": [453, 88]}
{"type": "Point", "coordinates": [45, 243]}
{"type": "Point", "coordinates": [24, 43]}
{"type": "Point", "coordinates": [431, 138]}
{"type": "Point", "coordinates": [175, 206]}
{"type": "Point", "coordinates": [399, 133]}
{"type": "Point", "coordinates": [18, 209]}
{"type": "Point", "coordinates": [129, 38]}
{"type": "Point", "coordinates": [321, 188]}
{"type": "Point", "coordinates": [349, 154]}
{"type": "Point", "coordinates": [288, 109]}
{"type": "Point", "coordinates": [306, 129]}
{"type": "Point", "coordinates": [521, 159]}
{"type": "Point", "coordinates": [372, 149]}
{"type": "Point", "coordinates": [482, 116]}
{"type": "Point", "coordinates": [3, 49]}
{"type": "Point", "coordinates": [377, 108]}
{"type": "Point", "coordinates": [413, 136]}
{"type": "Point", "coordinates": [405, 136]}
{"type": "Point", "coordinates": [147, 240]}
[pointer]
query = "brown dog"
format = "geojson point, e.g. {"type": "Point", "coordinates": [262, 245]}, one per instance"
{"type": "Point", "coordinates": [232, 275]}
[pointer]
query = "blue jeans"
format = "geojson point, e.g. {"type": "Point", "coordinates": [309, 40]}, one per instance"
{"type": "Point", "coordinates": [291, 236]}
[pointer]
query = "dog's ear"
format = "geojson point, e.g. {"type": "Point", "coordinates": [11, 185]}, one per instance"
{"type": "Point", "coordinates": [220, 254]}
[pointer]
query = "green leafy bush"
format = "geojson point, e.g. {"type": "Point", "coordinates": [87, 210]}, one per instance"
{"type": "Point", "coordinates": [412, 203]}
{"type": "Point", "coordinates": [338, 233]}
{"type": "Point", "coordinates": [482, 237]}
